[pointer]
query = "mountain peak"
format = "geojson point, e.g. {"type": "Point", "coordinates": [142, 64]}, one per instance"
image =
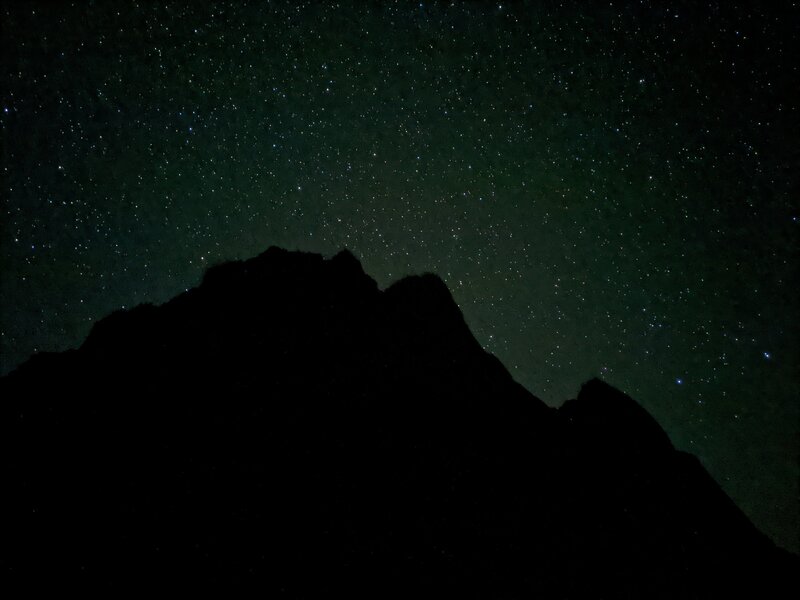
{"type": "Point", "coordinates": [287, 416]}
{"type": "Point", "coordinates": [347, 258]}
{"type": "Point", "coordinates": [602, 412]}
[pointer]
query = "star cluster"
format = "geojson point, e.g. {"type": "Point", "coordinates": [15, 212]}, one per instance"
{"type": "Point", "coordinates": [607, 192]}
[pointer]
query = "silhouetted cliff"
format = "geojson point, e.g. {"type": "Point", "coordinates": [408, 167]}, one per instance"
{"type": "Point", "coordinates": [288, 427]}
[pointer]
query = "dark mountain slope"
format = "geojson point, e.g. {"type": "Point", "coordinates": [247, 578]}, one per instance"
{"type": "Point", "coordinates": [289, 428]}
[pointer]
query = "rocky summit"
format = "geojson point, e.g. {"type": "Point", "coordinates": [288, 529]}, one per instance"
{"type": "Point", "coordinates": [288, 428]}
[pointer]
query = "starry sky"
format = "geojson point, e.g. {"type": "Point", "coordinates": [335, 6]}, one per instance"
{"type": "Point", "coordinates": [608, 192]}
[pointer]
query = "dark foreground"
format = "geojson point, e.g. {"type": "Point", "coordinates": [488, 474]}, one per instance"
{"type": "Point", "coordinates": [288, 428]}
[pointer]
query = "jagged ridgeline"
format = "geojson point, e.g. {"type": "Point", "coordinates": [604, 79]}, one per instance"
{"type": "Point", "coordinates": [286, 427]}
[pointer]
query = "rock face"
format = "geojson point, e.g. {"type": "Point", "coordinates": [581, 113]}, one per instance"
{"type": "Point", "coordinates": [288, 428]}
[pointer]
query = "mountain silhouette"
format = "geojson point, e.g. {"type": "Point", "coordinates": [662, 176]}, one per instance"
{"type": "Point", "coordinates": [289, 428]}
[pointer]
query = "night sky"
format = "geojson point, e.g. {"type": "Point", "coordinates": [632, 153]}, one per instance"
{"type": "Point", "coordinates": [606, 193]}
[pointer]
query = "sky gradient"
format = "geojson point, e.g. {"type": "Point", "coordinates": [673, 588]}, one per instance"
{"type": "Point", "coordinates": [606, 193]}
